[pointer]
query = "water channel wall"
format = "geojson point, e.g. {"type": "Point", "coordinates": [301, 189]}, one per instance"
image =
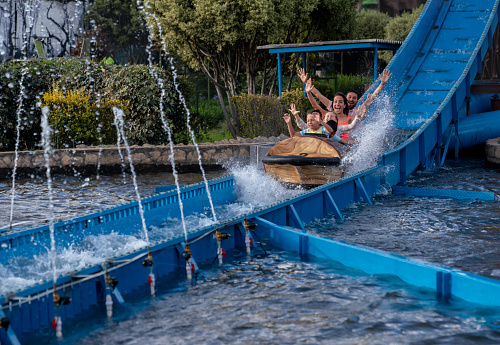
{"type": "Point", "coordinates": [145, 158]}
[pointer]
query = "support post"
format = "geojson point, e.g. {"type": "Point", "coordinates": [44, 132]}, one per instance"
{"type": "Point", "coordinates": [280, 77]}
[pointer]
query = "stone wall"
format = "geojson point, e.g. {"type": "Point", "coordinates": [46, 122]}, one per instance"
{"type": "Point", "coordinates": [145, 158]}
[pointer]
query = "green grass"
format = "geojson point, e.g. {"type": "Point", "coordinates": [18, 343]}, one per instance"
{"type": "Point", "coordinates": [216, 134]}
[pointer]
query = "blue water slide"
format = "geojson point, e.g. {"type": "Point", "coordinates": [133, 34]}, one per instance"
{"type": "Point", "coordinates": [430, 87]}
{"type": "Point", "coordinates": [431, 96]}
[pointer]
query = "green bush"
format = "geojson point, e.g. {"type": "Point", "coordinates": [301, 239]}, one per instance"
{"type": "Point", "coordinates": [399, 27]}
{"type": "Point", "coordinates": [72, 117]}
{"type": "Point", "coordinates": [370, 25]}
{"type": "Point", "coordinates": [259, 115]}
{"type": "Point", "coordinates": [131, 83]}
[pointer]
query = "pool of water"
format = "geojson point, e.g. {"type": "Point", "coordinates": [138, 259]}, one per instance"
{"type": "Point", "coordinates": [74, 196]}
{"type": "Point", "coordinates": [254, 189]}
{"type": "Point", "coordinates": [454, 233]}
{"type": "Point", "coordinates": [277, 298]}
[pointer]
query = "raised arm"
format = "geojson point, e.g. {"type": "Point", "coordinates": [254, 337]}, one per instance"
{"type": "Point", "coordinates": [300, 123]}
{"type": "Point", "coordinates": [362, 109]}
{"type": "Point", "coordinates": [288, 121]}
{"type": "Point", "coordinates": [303, 76]}
{"type": "Point", "coordinates": [311, 98]}
{"type": "Point", "coordinates": [384, 78]}
{"type": "Point", "coordinates": [318, 94]}
{"type": "Point", "coordinates": [324, 124]}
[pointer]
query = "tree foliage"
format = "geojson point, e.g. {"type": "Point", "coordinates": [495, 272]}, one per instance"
{"type": "Point", "coordinates": [131, 85]}
{"type": "Point", "coordinates": [399, 27]}
{"type": "Point", "coordinates": [120, 26]}
{"type": "Point", "coordinates": [221, 37]}
{"type": "Point", "coordinates": [371, 25]}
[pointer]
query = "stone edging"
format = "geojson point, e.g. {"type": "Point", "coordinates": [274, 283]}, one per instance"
{"type": "Point", "coordinates": [145, 158]}
{"type": "Point", "coordinates": [493, 151]}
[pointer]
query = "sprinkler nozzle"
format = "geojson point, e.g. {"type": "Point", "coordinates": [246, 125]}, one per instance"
{"type": "Point", "coordinates": [148, 262]}
{"type": "Point", "coordinates": [221, 235]}
{"type": "Point", "coordinates": [186, 254]}
{"type": "Point", "coordinates": [112, 282]}
{"type": "Point", "coordinates": [249, 225]}
{"type": "Point", "coordinates": [58, 300]}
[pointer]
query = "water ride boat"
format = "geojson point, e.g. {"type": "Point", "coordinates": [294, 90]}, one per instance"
{"type": "Point", "coordinates": [306, 160]}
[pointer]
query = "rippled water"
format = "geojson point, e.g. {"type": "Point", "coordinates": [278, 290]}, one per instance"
{"type": "Point", "coordinates": [254, 189]}
{"type": "Point", "coordinates": [277, 298]}
{"type": "Point", "coordinates": [280, 299]}
{"type": "Point", "coordinates": [74, 196]}
{"type": "Point", "coordinates": [454, 233]}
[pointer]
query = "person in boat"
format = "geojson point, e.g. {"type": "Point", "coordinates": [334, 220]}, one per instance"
{"type": "Point", "coordinates": [315, 126]}
{"type": "Point", "coordinates": [328, 116]}
{"type": "Point", "coordinates": [351, 101]}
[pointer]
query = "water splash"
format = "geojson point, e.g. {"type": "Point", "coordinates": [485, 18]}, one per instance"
{"type": "Point", "coordinates": [151, 15]}
{"type": "Point", "coordinates": [20, 99]}
{"type": "Point", "coordinates": [47, 149]}
{"type": "Point", "coordinates": [168, 130]}
{"type": "Point", "coordinates": [373, 138]}
{"type": "Point", "coordinates": [119, 123]}
{"type": "Point", "coordinates": [256, 188]}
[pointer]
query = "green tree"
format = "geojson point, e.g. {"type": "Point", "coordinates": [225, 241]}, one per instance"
{"type": "Point", "coordinates": [371, 25]}
{"type": "Point", "coordinates": [119, 25]}
{"type": "Point", "coordinates": [399, 27]}
{"type": "Point", "coordinates": [221, 37]}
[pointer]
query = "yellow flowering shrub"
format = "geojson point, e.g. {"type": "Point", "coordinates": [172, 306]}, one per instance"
{"type": "Point", "coordinates": [75, 119]}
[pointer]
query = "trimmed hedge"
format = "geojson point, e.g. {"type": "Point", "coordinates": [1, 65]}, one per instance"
{"type": "Point", "coordinates": [128, 83]}
{"type": "Point", "coordinates": [262, 115]}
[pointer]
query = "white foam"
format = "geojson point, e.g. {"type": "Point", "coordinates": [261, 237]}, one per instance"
{"type": "Point", "coordinates": [372, 137]}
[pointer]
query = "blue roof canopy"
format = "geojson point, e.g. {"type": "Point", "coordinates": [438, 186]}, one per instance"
{"type": "Point", "coordinates": [330, 46]}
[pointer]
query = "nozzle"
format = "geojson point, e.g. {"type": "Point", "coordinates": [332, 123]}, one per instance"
{"type": "Point", "coordinates": [186, 254]}
{"type": "Point", "coordinates": [221, 235]}
{"type": "Point", "coordinates": [249, 225]}
{"type": "Point", "coordinates": [58, 300]}
{"type": "Point", "coordinates": [110, 281]}
{"type": "Point", "coordinates": [148, 262]}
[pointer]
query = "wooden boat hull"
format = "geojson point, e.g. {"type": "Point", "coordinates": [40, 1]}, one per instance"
{"type": "Point", "coordinates": [306, 160]}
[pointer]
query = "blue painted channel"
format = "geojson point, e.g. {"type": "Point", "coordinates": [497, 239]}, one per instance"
{"type": "Point", "coordinates": [432, 75]}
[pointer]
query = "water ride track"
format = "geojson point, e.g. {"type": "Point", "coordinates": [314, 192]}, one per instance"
{"type": "Point", "coordinates": [430, 88]}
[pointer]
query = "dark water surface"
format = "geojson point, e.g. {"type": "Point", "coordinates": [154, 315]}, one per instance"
{"type": "Point", "coordinates": [75, 196]}
{"type": "Point", "coordinates": [455, 233]}
{"type": "Point", "coordinates": [277, 298]}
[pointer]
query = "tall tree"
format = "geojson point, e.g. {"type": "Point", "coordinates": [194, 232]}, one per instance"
{"type": "Point", "coordinates": [121, 26]}
{"type": "Point", "coordinates": [220, 37]}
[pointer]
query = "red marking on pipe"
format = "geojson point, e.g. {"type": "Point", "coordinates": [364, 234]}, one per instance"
{"type": "Point", "coordinates": [192, 268]}
{"type": "Point", "coordinates": [54, 323]}
{"type": "Point", "coordinates": [223, 253]}
{"type": "Point", "coordinates": [251, 242]}
{"type": "Point", "coordinates": [149, 280]}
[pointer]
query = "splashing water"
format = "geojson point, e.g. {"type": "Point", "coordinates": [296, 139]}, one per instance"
{"type": "Point", "coordinates": [183, 100]}
{"type": "Point", "coordinates": [372, 136]}
{"type": "Point", "coordinates": [167, 129]}
{"type": "Point", "coordinates": [47, 148]}
{"type": "Point", "coordinates": [119, 123]}
{"type": "Point", "coordinates": [253, 189]}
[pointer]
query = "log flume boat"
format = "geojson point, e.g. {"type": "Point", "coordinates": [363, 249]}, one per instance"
{"type": "Point", "coordinates": [307, 161]}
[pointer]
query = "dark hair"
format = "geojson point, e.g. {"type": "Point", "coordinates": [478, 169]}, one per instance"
{"type": "Point", "coordinates": [353, 92]}
{"type": "Point", "coordinates": [346, 108]}
{"type": "Point", "coordinates": [310, 111]}
{"type": "Point", "coordinates": [332, 124]}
